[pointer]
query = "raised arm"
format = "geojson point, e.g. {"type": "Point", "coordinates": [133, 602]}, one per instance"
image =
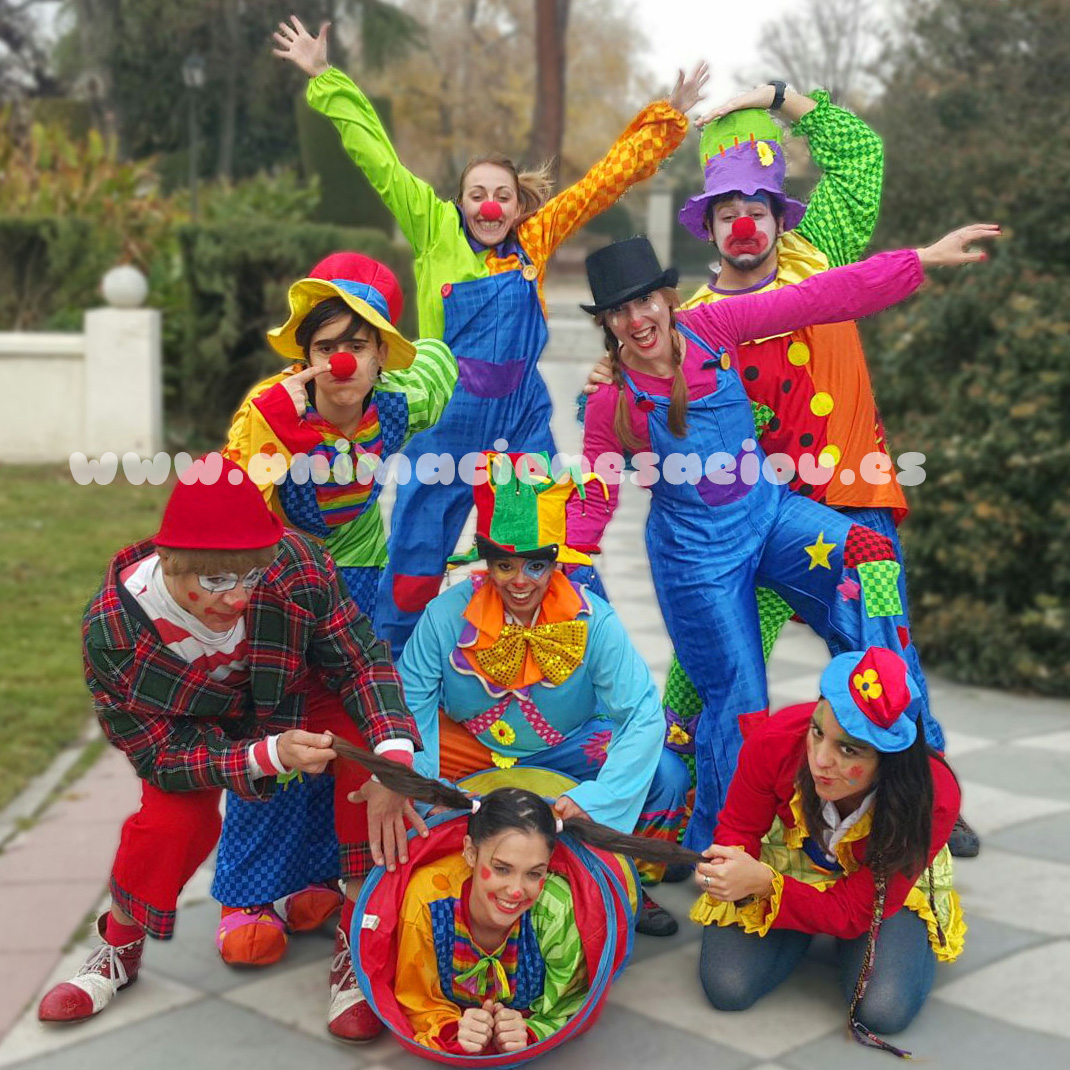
{"type": "Point", "coordinates": [427, 382]}
{"type": "Point", "coordinates": [413, 203]}
{"type": "Point", "coordinates": [843, 208]}
{"type": "Point", "coordinates": [652, 136]}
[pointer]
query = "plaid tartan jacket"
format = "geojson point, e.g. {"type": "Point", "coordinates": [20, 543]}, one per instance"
{"type": "Point", "coordinates": [182, 731]}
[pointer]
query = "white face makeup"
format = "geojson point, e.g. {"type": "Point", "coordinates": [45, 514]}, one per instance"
{"type": "Point", "coordinates": [643, 327]}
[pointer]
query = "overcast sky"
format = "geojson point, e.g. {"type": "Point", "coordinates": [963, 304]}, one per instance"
{"type": "Point", "coordinates": [722, 32]}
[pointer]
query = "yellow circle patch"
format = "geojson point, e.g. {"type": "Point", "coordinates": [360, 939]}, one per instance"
{"type": "Point", "coordinates": [726, 361]}
{"type": "Point", "coordinates": [829, 457]}
{"type": "Point", "coordinates": [821, 404]}
{"type": "Point", "coordinates": [798, 354]}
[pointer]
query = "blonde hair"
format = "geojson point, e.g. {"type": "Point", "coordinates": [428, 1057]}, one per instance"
{"type": "Point", "coordinates": [622, 423]}
{"type": "Point", "coordinates": [533, 188]}
{"type": "Point", "coordinates": [178, 562]}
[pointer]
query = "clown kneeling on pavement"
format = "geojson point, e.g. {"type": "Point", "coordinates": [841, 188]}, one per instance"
{"type": "Point", "coordinates": [520, 665]}
{"type": "Point", "coordinates": [221, 653]}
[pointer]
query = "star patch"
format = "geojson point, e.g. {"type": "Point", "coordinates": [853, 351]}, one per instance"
{"type": "Point", "coordinates": [819, 552]}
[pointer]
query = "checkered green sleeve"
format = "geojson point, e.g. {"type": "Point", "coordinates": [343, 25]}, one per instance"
{"type": "Point", "coordinates": [427, 382]}
{"type": "Point", "coordinates": [843, 208]}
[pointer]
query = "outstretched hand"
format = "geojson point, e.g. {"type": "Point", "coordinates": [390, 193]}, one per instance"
{"type": "Point", "coordinates": [297, 45]}
{"type": "Point", "coordinates": [953, 249]}
{"type": "Point", "coordinates": [688, 90]}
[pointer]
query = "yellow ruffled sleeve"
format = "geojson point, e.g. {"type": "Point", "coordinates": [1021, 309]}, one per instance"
{"type": "Point", "coordinates": [754, 916]}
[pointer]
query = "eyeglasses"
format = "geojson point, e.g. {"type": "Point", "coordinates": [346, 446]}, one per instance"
{"type": "Point", "coordinates": [227, 581]}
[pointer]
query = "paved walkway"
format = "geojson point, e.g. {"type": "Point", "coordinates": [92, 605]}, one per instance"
{"type": "Point", "coordinates": [1003, 1003]}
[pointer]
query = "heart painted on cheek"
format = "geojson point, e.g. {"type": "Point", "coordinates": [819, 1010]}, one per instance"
{"type": "Point", "coordinates": [194, 597]}
{"type": "Point", "coordinates": [484, 873]}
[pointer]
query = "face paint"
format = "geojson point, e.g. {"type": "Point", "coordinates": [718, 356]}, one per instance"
{"type": "Point", "coordinates": [484, 872]}
{"type": "Point", "coordinates": [854, 773]}
{"type": "Point", "coordinates": [194, 596]}
{"type": "Point", "coordinates": [535, 570]}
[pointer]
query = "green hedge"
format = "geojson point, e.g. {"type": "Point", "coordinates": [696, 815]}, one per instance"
{"type": "Point", "coordinates": [975, 374]}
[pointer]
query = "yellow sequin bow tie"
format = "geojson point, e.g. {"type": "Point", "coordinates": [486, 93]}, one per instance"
{"type": "Point", "coordinates": [557, 649]}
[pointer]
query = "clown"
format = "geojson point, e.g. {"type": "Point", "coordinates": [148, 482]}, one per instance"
{"type": "Point", "coordinates": [480, 262]}
{"type": "Point", "coordinates": [836, 822]}
{"type": "Point", "coordinates": [518, 665]}
{"type": "Point", "coordinates": [355, 392]}
{"type": "Point", "coordinates": [723, 523]}
{"type": "Point", "coordinates": [221, 653]}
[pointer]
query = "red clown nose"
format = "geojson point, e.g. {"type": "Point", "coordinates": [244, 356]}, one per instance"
{"type": "Point", "coordinates": [343, 365]}
{"type": "Point", "coordinates": [743, 227]}
{"type": "Point", "coordinates": [491, 211]}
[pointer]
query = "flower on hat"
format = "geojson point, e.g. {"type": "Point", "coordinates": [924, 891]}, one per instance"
{"type": "Point", "coordinates": [766, 156]}
{"type": "Point", "coordinates": [868, 684]}
{"type": "Point", "coordinates": [502, 732]}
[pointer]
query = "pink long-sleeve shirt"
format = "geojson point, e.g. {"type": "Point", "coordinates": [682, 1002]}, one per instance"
{"type": "Point", "coordinates": [844, 293]}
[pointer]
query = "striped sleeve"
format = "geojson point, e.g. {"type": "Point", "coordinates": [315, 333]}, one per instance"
{"type": "Point", "coordinates": [427, 382]}
{"type": "Point", "coordinates": [565, 987]}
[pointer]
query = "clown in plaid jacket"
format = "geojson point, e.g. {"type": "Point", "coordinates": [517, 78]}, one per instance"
{"type": "Point", "coordinates": [182, 731]}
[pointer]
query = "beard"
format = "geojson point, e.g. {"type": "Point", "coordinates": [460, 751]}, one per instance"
{"type": "Point", "coordinates": [749, 261]}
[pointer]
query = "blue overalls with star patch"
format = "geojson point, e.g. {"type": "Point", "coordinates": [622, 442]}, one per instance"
{"type": "Point", "coordinates": [711, 543]}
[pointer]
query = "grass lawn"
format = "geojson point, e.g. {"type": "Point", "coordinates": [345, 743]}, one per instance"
{"type": "Point", "coordinates": [55, 541]}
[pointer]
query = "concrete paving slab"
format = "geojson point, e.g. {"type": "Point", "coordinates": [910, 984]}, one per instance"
{"type": "Point", "coordinates": [668, 989]}
{"type": "Point", "coordinates": [1027, 990]}
{"type": "Point", "coordinates": [214, 1035]}
{"type": "Point", "coordinates": [942, 1037]}
{"type": "Point", "coordinates": [1029, 893]}
{"type": "Point", "coordinates": [987, 942]}
{"type": "Point", "coordinates": [1041, 773]}
{"type": "Point", "coordinates": [991, 809]}
{"type": "Point", "coordinates": [1045, 838]}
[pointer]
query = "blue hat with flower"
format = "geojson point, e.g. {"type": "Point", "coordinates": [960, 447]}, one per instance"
{"type": "Point", "coordinates": [874, 698]}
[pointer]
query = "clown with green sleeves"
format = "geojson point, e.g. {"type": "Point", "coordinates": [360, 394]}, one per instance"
{"type": "Point", "coordinates": [480, 261]}
{"type": "Point", "coordinates": [813, 384]}
{"type": "Point", "coordinates": [521, 666]}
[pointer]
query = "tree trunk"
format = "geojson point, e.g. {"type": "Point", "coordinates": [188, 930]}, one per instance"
{"type": "Point", "coordinates": [548, 120]}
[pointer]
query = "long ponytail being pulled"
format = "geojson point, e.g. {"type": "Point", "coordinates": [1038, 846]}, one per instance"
{"type": "Point", "coordinates": [512, 808]}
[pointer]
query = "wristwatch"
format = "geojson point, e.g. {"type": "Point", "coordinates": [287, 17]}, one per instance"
{"type": "Point", "coordinates": [778, 95]}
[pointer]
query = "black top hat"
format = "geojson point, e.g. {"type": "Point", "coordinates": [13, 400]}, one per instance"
{"type": "Point", "coordinates": [623, 271]}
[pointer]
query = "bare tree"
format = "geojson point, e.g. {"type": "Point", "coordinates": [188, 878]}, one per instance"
{"type": "Point", "coordinates": [835, 44]}
{"type": "Point", "coordinates": [25, 64]}
{"type": "Point", "coordinates": [548, 120]}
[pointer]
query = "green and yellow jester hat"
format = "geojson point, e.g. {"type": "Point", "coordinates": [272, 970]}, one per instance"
{"type": "Point", "coordinates": [520, 509]}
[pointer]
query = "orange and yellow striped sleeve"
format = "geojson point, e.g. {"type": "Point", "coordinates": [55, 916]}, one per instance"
{"type": "Point", "coordinates": [652, 136]}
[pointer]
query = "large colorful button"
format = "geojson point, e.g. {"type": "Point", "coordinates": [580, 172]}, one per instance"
{"type": "Point", "coordinates": [447, 289]}
{"type": "Point", "coordinates": [646, 405]}
{"type": "Point", "coordinates": [530, 272]}
{"type": "Point", "coordinates": [821, 404]}
{"type": "Point", "coordinates": [798, 354]}
{"type": "Point", "coordinates": [726, 360]}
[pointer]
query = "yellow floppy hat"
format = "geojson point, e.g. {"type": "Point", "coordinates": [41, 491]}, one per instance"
{"type": "Point", "coordinates": [369, 288]}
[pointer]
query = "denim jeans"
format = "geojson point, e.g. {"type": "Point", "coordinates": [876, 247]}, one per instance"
{"type": "Point", "coordinates": [738, 968]}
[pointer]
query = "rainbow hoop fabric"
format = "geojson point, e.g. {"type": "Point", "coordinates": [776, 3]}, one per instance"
{"type": "Point", "coordinates": [604, 890]}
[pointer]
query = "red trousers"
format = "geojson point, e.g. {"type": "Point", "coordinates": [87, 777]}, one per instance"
{"type": "Point", "coordinates": [167, 840]}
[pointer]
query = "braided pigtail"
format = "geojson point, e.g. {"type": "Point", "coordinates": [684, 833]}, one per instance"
{"type": "Point", "coordinates": [622, 419]}
{"type": "Point", "coordinates": [678, 397]}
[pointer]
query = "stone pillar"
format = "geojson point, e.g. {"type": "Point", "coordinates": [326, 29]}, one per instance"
{"type": "Point", "coordinates": [659, 217]}
{"type": "Point", "coordinates": [123, 370]}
